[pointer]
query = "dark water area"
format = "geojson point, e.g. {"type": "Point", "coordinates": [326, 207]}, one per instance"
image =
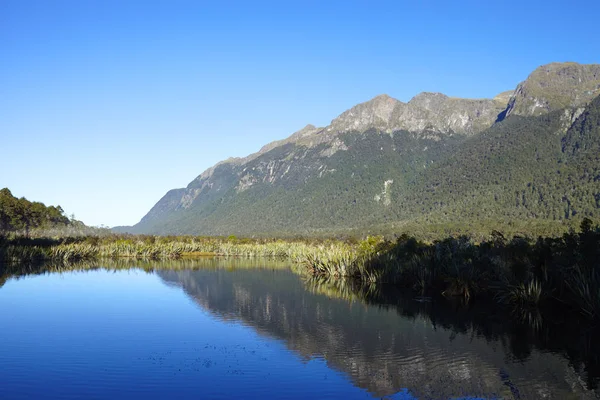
{"type": "Point", "coordinates": [217, 328]}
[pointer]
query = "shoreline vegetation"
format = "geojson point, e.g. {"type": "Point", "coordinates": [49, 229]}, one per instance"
{"type": "Point", "coordinates": [520, 272]}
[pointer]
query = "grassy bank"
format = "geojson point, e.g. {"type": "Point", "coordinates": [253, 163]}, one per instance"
{"type": "Point", "coordinates": [21, 249]}
{"type": "Point", "coordinates": [521, 272]}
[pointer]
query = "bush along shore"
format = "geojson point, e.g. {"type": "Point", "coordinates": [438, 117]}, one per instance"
{"type": "Point", "coordinates": [519, 272]}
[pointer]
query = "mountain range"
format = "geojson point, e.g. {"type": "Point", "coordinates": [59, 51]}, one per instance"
{"type": "Point", "coordinates": [528, 157]}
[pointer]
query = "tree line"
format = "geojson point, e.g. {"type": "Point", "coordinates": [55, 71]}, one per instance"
{"type": "Point", "coordinates": [23, 215]}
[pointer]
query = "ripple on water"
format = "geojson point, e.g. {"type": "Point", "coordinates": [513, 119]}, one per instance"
{"type": "Point", "coordinates": [250, 334]}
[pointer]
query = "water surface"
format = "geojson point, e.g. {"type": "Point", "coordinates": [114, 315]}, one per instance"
{"type": "Point", "coordinates": [255, 329]}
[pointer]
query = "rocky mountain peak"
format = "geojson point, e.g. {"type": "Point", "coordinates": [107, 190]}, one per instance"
{"type": "Point", "coordinates": [426, 111]}
{"type": "Point", "coordinates": [376, 113]}
{"type": "Point", "coordinates": [381, 97]}
{"type": "Point", "coordinates": [555, 86]}
{"type": "Point", "coordinates": [504, 97]}
{"type": "Point", "coordinates": [304, 132]}
{"type": "Point", "coordinates": [381, 106]}
{"type": "Point", "coordinates": [429, 100]}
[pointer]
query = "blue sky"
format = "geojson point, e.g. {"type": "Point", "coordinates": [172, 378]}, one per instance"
{"type": "Point", "coordinates": [105, 105]}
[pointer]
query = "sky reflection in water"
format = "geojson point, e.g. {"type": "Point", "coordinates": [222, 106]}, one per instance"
{"type": "Point", "coordinates": [245, 333]}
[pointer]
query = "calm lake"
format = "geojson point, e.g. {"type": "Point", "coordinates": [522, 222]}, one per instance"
{"type": "Point", "coordinates": [240, 329]}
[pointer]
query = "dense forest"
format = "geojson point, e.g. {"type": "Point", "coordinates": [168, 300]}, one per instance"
{"type": "Point", "coordinates": [22, 215]}
{"type": "Point", "coordinates": [524, 175]}
{"type": "Point", "coordinates": [521, 168]}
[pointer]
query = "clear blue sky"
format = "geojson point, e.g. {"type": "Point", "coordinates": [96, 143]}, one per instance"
{"type": "Point", "coordinates": [105, 105]}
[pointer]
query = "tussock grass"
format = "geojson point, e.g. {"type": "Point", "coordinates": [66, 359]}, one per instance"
{"type": "Point", "coordinates": [151, 247]}
{"type": "Point", "coordinates": [522, 272]}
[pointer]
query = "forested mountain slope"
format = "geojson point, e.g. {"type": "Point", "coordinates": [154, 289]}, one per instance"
{"type": "Point", "coordinates": [432, 160]}
{"type": "Point", "coordinates": [519, 168]}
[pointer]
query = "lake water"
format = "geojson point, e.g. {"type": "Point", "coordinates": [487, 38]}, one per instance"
{"type": "Point", "coordinates": [239, 329]}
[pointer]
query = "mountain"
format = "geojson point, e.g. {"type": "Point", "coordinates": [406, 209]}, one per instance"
{"type": "Point", "coordinates": [426, 111]}
{"type": "Point", "coordinates": [526, 155]}
{"type": "Point", "coordinates": [555, 86]}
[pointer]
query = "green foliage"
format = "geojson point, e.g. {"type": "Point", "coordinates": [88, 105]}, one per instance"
{"type": "Point", "coordinates": [521, 272]}
{"type": "Point", "coordinates": [34, 219]}
{"type": "Point", "coordinates": [523, 294]}
{"type": "Point", "coordinates": [23, 215]}
{"type": "Point", "coordinates": [528, 175]}
{"type": "Point", "coordinates": [21, 249]}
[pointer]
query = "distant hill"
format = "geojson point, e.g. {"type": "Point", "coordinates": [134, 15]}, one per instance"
{"type": "Point", "coordinates": [528, 156]}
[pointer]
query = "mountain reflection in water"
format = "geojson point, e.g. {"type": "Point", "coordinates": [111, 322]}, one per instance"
{"type": "Point", "coordinates": [385, 342]}
{"type": "Point", "coordinates": [382, 341]}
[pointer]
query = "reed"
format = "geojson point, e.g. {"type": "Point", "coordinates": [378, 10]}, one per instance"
{"type": "Point", "coordinates": [584, 286]}
{"type": "Point", "coordinates": [522, 272]}
{"type": "Point", "coordinates": [523, 294]}
{"type": "Point", "coordinates": [149, 247]}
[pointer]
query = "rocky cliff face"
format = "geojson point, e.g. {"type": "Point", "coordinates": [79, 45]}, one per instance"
{"type": "Point", "coordinates": [426, 111]}
{"type": "Point", "coordinates": [555, 86]}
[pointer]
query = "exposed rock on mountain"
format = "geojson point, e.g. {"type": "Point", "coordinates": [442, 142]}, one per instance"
{"type": "Point", "coordinates": [384, 162]}
{"type": "Point", "coordinates": [504, 97]}
{"type": "Point", "coordinates": [426, 111]}
{"type": "Point", "coordinates": [554, 87]}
